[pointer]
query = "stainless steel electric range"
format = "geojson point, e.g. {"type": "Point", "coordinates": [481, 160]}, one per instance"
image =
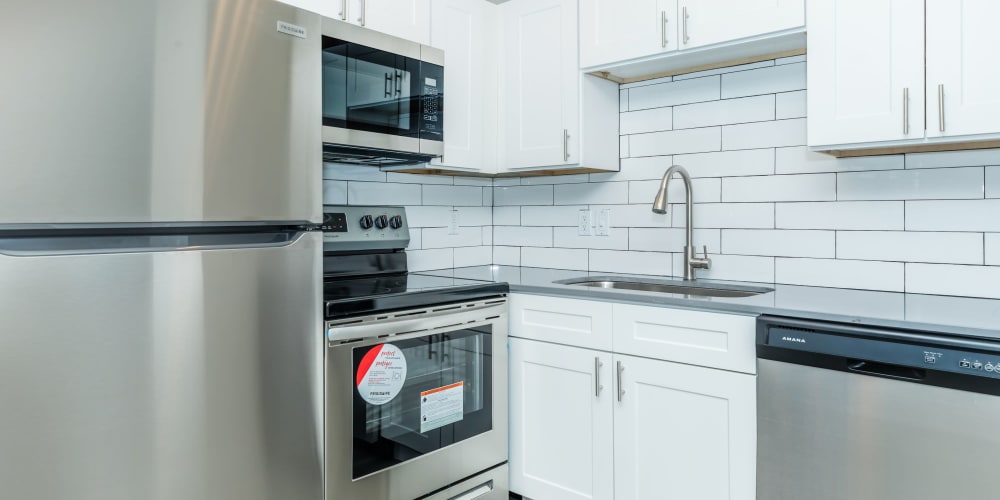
{"type": "Point", "coordinates": [416, 370]}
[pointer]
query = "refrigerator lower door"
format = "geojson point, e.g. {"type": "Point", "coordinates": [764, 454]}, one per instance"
{"type": "Point", "coordinates": [133, 111]}
{"type": "Point", "coordinates": [193, 374]}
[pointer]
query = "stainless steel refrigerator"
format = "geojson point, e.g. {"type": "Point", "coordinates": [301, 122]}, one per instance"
{"type": "Point", "coordinates": [160, 330]}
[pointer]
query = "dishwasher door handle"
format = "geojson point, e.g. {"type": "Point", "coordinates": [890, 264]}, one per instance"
{"type": "Point", "coordinates": [886, 370]}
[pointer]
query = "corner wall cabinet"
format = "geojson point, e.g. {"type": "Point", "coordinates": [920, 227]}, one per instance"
{"type": "Point", "coordinates": [409, 19]}
{"type": "Point", "coordinates": [670, 412]}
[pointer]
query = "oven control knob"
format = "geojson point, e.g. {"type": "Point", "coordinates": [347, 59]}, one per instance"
{"type": "Point", "coordinates": [366, 222]}
{"type": "Point", "coordinates": [396, 222]}
{"type": "Point", "coordinates": [381, 221]}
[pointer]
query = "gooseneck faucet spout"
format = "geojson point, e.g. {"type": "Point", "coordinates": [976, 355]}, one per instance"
{"type": "Point", "coordinates": [691, 261]}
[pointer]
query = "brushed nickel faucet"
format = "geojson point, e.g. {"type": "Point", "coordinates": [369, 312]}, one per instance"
{"type": "Point", "coordinates": [691, 260]}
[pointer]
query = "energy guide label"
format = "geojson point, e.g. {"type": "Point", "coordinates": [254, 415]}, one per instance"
{"type": "Point", "coordinates": [442, 406]}
{"type": "Point", "coordinates": [381, 374]}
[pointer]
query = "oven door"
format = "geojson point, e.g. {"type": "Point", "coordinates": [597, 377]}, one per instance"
{"type": "Point", "coordinates": [416, 400]}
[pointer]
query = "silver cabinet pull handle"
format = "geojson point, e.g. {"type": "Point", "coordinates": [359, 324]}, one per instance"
{"type": "Point", "coordinates": [906, 111]}
{"type": "Point", "coordinates": [343, 10]}
{"type": "Point", "coordinates": [597, 376]}
{"type": "Point", "coordinates": [684, 25]}
{"type": "Point", "coordinates": [364, 7]}
{"type": "Point", "coordinates": [941, 107]}
{"type": "Point", "coordinates": [621, 389]}
{"type": "Point", "coordinates": [663, 29]}
{"type": "Point", "coordinates": [565, 144]}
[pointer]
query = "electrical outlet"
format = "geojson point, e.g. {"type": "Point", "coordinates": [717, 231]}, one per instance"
{"type": "Point", "coordinates": [453, 222]}
{"type": "Point", "coordinates": [603, 222]}
{"type": "Point", "coordinates": [584, 225]}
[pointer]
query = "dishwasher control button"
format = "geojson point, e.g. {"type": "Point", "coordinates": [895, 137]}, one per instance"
{"type": "Point", "coordinates": [990, 367]}
{"type": "Point", "coordinates": [964, 364]}
{"type": "Point", "coordinates": [976, 365]}
{"type": "Point", "coordinates": [930, 358]}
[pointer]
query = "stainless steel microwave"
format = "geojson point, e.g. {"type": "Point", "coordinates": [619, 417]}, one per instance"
{"type": "Point", "coordinates": [382, 97]}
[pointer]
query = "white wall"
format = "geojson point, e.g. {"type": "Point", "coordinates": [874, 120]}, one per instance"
{"type": "Point", "coordinates": [769, 210]}
{"type": "Point", "coordinates": [429, 200]}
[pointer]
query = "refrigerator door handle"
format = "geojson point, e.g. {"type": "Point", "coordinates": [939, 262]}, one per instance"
{"type": "Point", "coordinates": [142, 243]}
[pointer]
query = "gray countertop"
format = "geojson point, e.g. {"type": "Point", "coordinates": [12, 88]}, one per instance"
{"type": "Point", "coordinates": [963, 316]}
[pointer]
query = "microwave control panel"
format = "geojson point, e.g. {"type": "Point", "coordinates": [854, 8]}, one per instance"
{"type": "Point", "coordinates": [364, 227]}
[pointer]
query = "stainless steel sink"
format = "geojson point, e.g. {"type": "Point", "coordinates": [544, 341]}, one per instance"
{"type": "Point", "coordinates": [668, 286]}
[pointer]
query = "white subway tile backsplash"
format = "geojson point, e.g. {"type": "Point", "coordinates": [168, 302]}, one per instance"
{"type": "Point", "coordinates": [732, 268]}
{"type": "Point", "coordinates": [554, 179]}
{"type": "Point", "coordinates": [623, 100]}
{"type": "Point", "coordinates": [415, 241]}
{"type": "Point", "coordinates": [858, 215]}
{"type": "Point", "coordinates": [803, 187]}
{"type": "Point", "coordinates": [439, 237]}
{"type": "Point", "coordinates": [675, 142]}
{"type": "Point", "coordinates": [507, 216]}
{"type": "Point", "coordinates": [428, 216]}
{"type": "Point", "coordinates": [507, 256]}
{"type": "Point", "coordinates": [992, 249]}
{"type": "Point", "coordinates": [554, 258]}
{"type": "Point", "coordinates": [518, 236]}
{"type": "Point", "coordinates": [945, 279]}
{"type": "Point", "coordinates": [970, 158]}
{"type": "Point", "coordinates": [704, 191]}
{"type": "Point", "coordinates": [644, 83]}
{"type": "Point", "coordinates": [452, 195]}
{"type": "Point", "coordinates": [993, 182]}
{"type": "Point", "coordinates": [475, 216]}
{"type": "Point", "coordinates": [909, 246]}
{"type": "Point", "coordinates": [791, 105]}
{"type": "Point", "coordinates": [606, 193]}
{"type": "Point", "coordinates": [727, 215]}
{"type": "Point", "coordinates": [523, 195]}
{"type": "Point", "coordinates": [473, 256]}
{"type": "Point", "coordinates": [719, 71]}
{"type": "Point", "coordinates": [348, 172]}
{"type": "Point", "coordinates": [647, 120]}
{"type": "Point", "coordinates": [634, 169]}
{"type": "Point", "coordinates": [673, 93]}
{"type": "Point", "coordinates": [473, 181]}
{"type": "Point", "coordinates": [725, 112]}
{"type": "Point", "coordinates": [771, 80]}
{"type": "Point", "coordinates": [403, 178]}
{"type": "Point", "coordinates": [507, 181]}
{"type": "Point", "coordinates": [487, 235]}
{"type": "Point", "coordinates": [429, 260]}
{"type": "Point", "coordinates": [550, 215]}
{"type": "Point", "coordinates": [634, 215]}
{"type": "Point", "coordinates": [728, 163]}
{"type": "Point", "coordinates": [865, 275]}
{"type": "Point", "coordinates": [789, 60]}
{"type": "Point", "coordinates": [671, 239]}
{"type": "Point", "coordinates": [799, 160]}
{"type": "Point", "coordinates": [956, 215]}
{"type": "Point", "coordinates": [383, 193]}
{"type": "Point", "coordinates": [567, 237]}
{"type": "Point", "coordinates": [623, 147]}
{"type": "Point", "coordinates": [487, 197]}
{"type": "Point", "coordinates": [936, 184]}
{"type": "Point", "coordinates": [764, 134]}
{"type": "Point", "coordinates": [779, 243]}
{"type": "Point", "coordinates": [334, 192]}
{"type": "Point", "coordinates": [642, 263]}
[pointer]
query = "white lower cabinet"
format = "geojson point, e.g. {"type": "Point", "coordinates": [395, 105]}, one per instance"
{"type": "Point", "coordinates": [592, 424]}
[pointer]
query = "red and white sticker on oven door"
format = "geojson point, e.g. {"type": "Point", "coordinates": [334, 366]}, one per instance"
{"type": "Point", "coordinates": [381, 374]}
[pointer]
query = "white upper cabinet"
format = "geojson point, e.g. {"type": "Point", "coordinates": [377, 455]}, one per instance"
{"type": "Point", "coordinates": [465, 30]}
{"type": "Point", "coordinates": [865, 71]}
{"type": "Point", "coordinates": [617, 30]}
{"type": "Point", "coordinates": [539, 87]}
{"type": "Point", "coordinates": [962, 67]}
{"type": "Point", "coordinates": [707, 22]}
{"type": "Point", "coordinates": [335, 9]}
{"type": "Point", "coordinates": [409, 19]}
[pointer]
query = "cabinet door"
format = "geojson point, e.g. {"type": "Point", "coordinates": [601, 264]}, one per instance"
{"type": "Point", "coordinates": [539, 84]}
{"type": "Point", "coordinates": [683, 432]}
{"type": "Point", "coordinates": [864, 56]}
{"type": "Point", "coordinates": [336, 9]}
{"type": "Point", "coordinates": [962, 38]}
{"type": "Point", "coordinates": [409, 19]}
{"type": "Point", "coordinates": [561, 429]}
{"type": "Point", "coordinates": [463, 29]}
{"type": "Point", "coordinates": [714, 21]}
{"type": "Point", "coordinates": [618, 30]}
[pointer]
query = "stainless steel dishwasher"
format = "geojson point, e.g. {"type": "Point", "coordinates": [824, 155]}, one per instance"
{"type": "Point", "coordinates": [852, 412]}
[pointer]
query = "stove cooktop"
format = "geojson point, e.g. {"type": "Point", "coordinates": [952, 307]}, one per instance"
{"type": "Point", "coordinates": [370, 295]}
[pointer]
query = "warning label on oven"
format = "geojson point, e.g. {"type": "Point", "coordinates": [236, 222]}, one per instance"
{"type": "Point", "coordinates": [381, 374]}
{"type": "Point", "coordinates": [442, 406]}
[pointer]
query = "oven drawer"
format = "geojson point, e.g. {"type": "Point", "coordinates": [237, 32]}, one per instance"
{"type": "Point", "coordinates": [490, 485]}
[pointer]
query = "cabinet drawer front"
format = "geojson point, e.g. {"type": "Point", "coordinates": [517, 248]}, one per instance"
{"type": "Point", "coordinates": [714, 340]}
{"type": "Point", "coordinates": [581, 323]}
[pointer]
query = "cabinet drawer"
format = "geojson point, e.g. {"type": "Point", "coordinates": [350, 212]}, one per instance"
{"type": "Point", "coordinates": [714, 340]}
{"type": "Point", "coordinates": [581, 323]}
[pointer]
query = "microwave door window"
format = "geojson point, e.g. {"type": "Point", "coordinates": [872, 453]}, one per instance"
{"type": "Point", "coordinates": [335, 85]}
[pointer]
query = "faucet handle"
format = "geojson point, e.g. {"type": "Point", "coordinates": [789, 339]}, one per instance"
{"type": "Point", "coordinates": [703, 262]}
{"type": "Point", "coordinates": [704, 249]}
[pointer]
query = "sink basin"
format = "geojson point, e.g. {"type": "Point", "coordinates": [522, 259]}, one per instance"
{"type": "Point", "coordinates": [668, 286]}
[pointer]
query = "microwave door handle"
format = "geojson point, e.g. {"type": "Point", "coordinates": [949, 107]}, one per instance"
{"type": "Point", "coordinates": [388, 85]}
{"type": "Point", "coordinates": [399, 83]}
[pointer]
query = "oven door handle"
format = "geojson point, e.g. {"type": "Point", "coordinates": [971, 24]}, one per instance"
{"type": "Point", "coordinates": [447, 318]}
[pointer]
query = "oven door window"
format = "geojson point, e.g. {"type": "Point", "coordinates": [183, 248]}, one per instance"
{"type": "Point", "coordinates": [369, 89]}
{"type": "Point", "coordinates": [444, 397]}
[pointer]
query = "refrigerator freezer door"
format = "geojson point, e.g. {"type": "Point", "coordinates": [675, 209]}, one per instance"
{"type": "Point", "coordinates": [193, 374]}
{"type": "Point", "coordinates": [159, 111]}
